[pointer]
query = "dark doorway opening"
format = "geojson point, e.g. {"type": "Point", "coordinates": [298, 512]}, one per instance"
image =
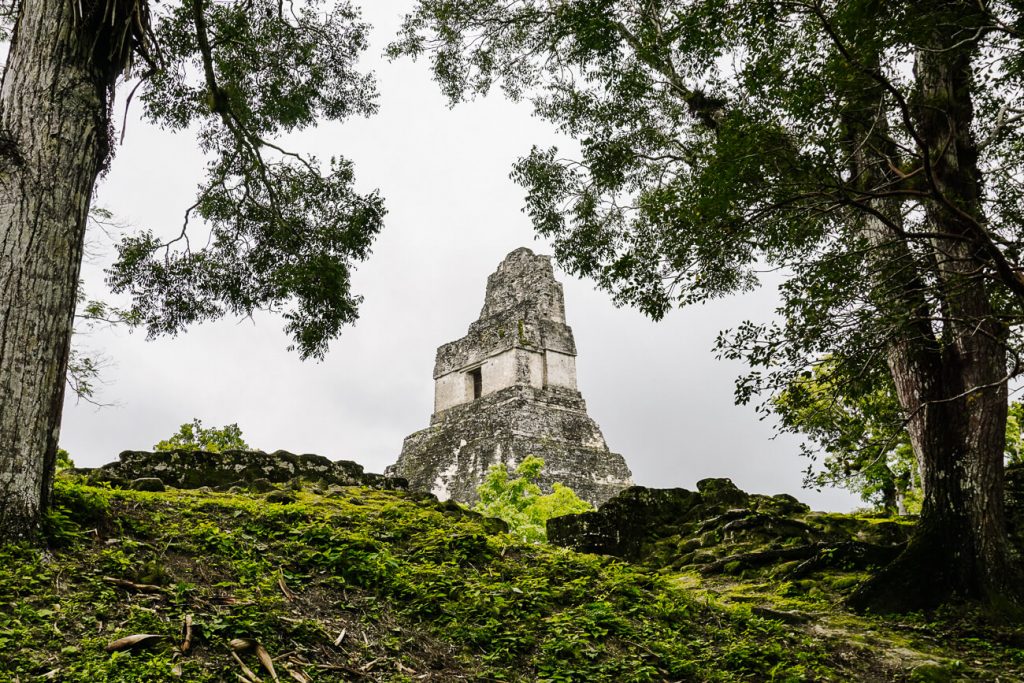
{"type": "Point", "coordinates": [477, 379]}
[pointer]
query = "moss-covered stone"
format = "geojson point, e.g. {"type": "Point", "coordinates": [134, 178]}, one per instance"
{"type": "Point", "coordinates": [261, 485]}
{"type": "Point", "coordinates": [722, 492]}
{"type": "Point", "coordinates": [194, 469]}
{"type": "Point", "coordinates": [934, 672]}
{"type": "Point", "coordinates": [622, 525]}
{"type": "Point", "coordinates": [779, 504]}
{"type": "Point", "coordinates": [281, 496]}
{"type": "Point", "coordinates": [720, 528]}
{"type": "Point", "coordinates": [146, 484]}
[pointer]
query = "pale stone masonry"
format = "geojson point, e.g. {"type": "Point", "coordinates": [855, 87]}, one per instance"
{"type": "Point", "coordinates": [507, 390]}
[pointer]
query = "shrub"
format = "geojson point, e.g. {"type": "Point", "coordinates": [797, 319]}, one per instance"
{"type": "Point", "coordinates": [193, 436]}
{"type": "Point", "coordinates": [520, 503]}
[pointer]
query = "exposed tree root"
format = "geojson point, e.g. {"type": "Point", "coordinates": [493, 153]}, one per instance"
{"type": "Point", "coordinates": [930, 573]}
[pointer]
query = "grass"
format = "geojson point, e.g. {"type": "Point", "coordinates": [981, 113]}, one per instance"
{"type": "Point", "coordinates": [416, 591]}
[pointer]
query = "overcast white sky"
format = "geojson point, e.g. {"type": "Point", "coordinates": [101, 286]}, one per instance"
{"type": "Point", "coordinates": [657, 391]}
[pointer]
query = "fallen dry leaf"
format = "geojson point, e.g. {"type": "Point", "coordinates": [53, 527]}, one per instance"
{"type": "Point", "coordinates": [186, 645]}
{"type": "Point", "coordinates": [288, 593]}
{"type": "Point", "coordinates": [250, 675]}
{"type": "Point", "coordinates": [266, 661]}
{"type": "Point", "coordinates": [132, 641]}
{"type": "Point", "coordinates": [140, 587]}
{"type": "Point", "coordinates": [239, 644]}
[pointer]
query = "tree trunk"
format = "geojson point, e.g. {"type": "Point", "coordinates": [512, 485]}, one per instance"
{"type": "Point", "coordinates": [975, 350]}
{"type": "Point", "coordinates": [959, 549]}
{"type": "Point", "coordinates": [901, 502]}
{"type": "Point", "coordinates": [889, 497]}
{"type": "Point", "coordinates": [53, 143]}
{"type": "Point", "coordinates": [957, 396]}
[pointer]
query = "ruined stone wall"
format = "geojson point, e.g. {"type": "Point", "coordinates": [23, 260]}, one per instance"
{"type": "Point", "coordinates": [189, 469]}
{"type": "Point", "coordinates": [523, 277]}
{"type": "Point", "coordinates": [451, 457]}
{"type": "Point", "coordinates": [499, 371]}
{"type": "Point", "coordinates": [451, 390]}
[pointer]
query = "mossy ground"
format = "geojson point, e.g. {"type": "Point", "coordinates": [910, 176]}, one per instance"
{"type": "Point", "coordinates": [421, 592]}
{"type": "Point", "coordinates": [954, 644]}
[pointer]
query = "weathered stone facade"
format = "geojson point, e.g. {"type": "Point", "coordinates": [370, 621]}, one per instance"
{"type": "Point", "coordinates": [507, 390]}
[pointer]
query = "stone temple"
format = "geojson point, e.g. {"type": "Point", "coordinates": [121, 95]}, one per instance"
{"type": "Point", "coordinates": [508, 390]}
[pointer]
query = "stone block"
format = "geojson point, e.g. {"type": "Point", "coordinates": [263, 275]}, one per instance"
{"type": "Point", "coordinates": [281, 496]}
{"type": "Point", "coordinates": [147, 484]}
{"type": "Point", "coordinates": [722, 492]}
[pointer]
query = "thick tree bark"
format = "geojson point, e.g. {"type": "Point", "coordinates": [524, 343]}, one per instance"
{"type": "Point", "coordinates": [53, 143]}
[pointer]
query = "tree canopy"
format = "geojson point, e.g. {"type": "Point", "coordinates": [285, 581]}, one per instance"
{"type": "Point", "coordinates": [279, 230]}
{"type": "Point", "coordinates": [284, 228]}
{"type": "Point", "coordinates": [714, 149]}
